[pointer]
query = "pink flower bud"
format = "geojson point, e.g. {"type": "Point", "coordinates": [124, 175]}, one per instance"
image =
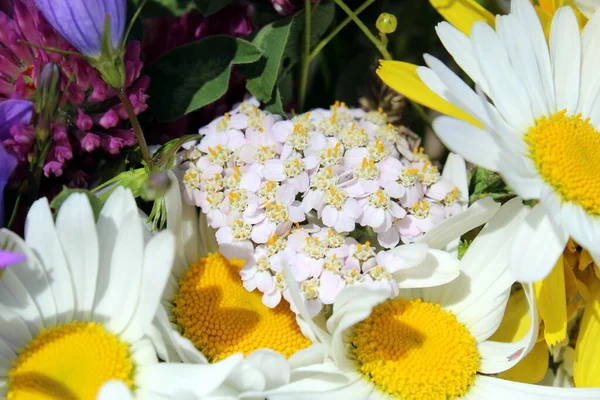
{"type": "Point", "coordinates": [111, 144]}
{"type": "Point", "coordinates": [90, 142]}
{"type": "Point", "coordinates": [109, 120]}
{"type": "Point", "coordinates": [83, 121]}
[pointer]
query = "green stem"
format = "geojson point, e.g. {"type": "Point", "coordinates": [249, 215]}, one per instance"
{"type": "Point", "coordinates": [419, 109]}
{"type": "Point", "coordinates": [305, 55]}
{"type": "Point", "coordinates": [365, 30]}
{"type": "Point", "coordinates": [35, 171]}
{"type": "Point", "coordinates": [337, 30]}
{"type": "Point", "coordinates": [135, 16]}
{"type": "Point", "coordinates": [105, 184]}
{"type": "Point", "coordinates": [55, 50]}
{"type": "Point", "coordinates": [14, 211]}
{"type": "Point", "coordinates": [135, 123]}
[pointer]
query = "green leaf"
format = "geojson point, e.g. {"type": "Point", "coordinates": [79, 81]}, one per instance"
{"type": "Point", "coordinates": [208, 7]}
{"type": "Point", "coordinates": [272, 39]}
{"type": "Point", "coordinates": [165, 155]}
{"type": "Point", "coordinates": [320, 21]}
{"type": "Point", "coordinates": [487, 183]}
{"type": "Point", "coordinates": [66, 192]}
{"type": "Point", "coordinates": [275, 105]}
{"type": "Point", "coordinates": [161, 8]}
{"type": "Point", "coordinates": [281, 42]}
{"type": "Point", "coordinates": [463, 246]}
{"type": "Point", "coordinates": [196, 74]}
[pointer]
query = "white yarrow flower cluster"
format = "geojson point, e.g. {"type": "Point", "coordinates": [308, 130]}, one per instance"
{"type": "Point", "coordinates": [300, 191]}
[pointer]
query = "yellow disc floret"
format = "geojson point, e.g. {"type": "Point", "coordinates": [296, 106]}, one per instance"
{"type": "Point", "coordinates": [221, 318]}
{"type": "Point", "coordinates": [412, 349]}
{"type": "Point", "coordinates": [565, 151]}
{"type": "Point", "coordinates": [69, 361]}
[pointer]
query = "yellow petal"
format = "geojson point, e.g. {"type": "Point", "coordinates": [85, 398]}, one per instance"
{"type": "Point", "coordinates": [583, 290]}
{"type": "Point", "coordinates": [552, 304]}
{"type": "Point", "coordinates": [585, 259]}
{"type": "Point", "coordinates": [545, 17]}
{"type": "Point", "coordinates": [515, 322]}
{"type": "Point", "coordinates": [463, 13]}
{"type": "Point", "coordinates": [587, 368]}
{"type": "Point", "coordinates": [403, 78]}
{"type": "Point", "coordinates": [570, 280]}
{"type": "Point", "coordinates": [530, 369]}
{"type": "Point", "coordinates": [550, 5]}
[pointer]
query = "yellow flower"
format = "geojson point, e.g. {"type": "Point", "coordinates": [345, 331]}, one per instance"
{"type": "Point", "coordinates": [462, 14]}
{"type": "Point", "coordinates": [573, 281]}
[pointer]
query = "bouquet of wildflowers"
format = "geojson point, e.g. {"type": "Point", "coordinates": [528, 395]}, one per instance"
{"type": "Point", "coordinates": [267, 200]}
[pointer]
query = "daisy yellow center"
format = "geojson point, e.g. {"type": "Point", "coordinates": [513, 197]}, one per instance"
{"type": "Point", "coordinates": [565, 151]}
{"type": "Point", "coordinates": [412, 349]}
{"type": "Point", "coordinates": [221, 318]}
{"type": "Point", "coordinates": [70, 361]}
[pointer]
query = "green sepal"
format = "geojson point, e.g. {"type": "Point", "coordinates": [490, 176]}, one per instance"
{"type": "Point", "coordinates": [110, 62]}
{"type": "Point", "coordinates": [66, 192]}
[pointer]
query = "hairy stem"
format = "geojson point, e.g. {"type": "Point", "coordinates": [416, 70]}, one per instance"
{"type": "Point", "coordinates": [135, 123]}
{"type": "Point", "coordinates": [305, 55]}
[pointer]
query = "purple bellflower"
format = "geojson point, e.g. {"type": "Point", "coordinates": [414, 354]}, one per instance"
{"type": "Point", "coordinates": [95, 28]}
{"type": "Point", "coordinates": [81, 22]}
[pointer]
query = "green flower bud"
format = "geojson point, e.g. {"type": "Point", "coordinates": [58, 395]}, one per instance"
{"type": "Point", "coordinates": [46, 99]}
{"type": "Point", "coordinates": [386, 23]}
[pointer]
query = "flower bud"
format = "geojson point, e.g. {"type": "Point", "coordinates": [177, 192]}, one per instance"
{"type": "Point", "coordinates": [95, 28]}
{"type": "Point", "coordinates": [46, 98]}
{"type": "Point", "coordinates": [156, 186]}
{"type": "Point", "coordinates": [386, 23]}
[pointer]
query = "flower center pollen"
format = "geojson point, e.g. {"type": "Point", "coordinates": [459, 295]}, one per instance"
{"type": "Point", "coordinates": [565, 150]}
{"type": "Point", "coordinates": [412, 349]}
{"type": "Point", "coordinates": [221, 318]}
{"type": "Point", "coordinates": [70, 361]}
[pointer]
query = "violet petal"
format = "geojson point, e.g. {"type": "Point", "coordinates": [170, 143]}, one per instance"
{"type": "Point", "coordinates": [7, 164]}
{"type": "Point", "coordinates": [8, 258]}
{"type": "Point", "coordinates": [14, 112]}
{"type": "Point", "coordinates": [81, 22]}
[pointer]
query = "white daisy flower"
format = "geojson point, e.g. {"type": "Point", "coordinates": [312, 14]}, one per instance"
{"type": "Point", "coordinates": [434, 342]}
{"type": "Point", "coordinates": [78, 311]}
{"type": "Point", "coordinates": [540, 123]}
{"type": "Point", "coordinates": [588, 7]}
{"type": "Point", "coordinates": [207, 317]}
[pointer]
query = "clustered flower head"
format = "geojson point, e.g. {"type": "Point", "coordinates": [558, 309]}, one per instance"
{"type": "Point", "coordinates": [302, 191]}
{"type": "Point", "coordinates": [90, 115]}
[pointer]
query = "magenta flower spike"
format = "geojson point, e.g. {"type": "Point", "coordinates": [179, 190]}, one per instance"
{"type": "Point", "coordinates": [81, 22]}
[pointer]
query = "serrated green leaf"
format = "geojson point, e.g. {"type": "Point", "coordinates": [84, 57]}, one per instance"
{"type": "Point", "coordinates": [281, 42]}
{"type": "Point", "coordinates": [275, 105]}
{"type": "Point", "coordinates": [196, 74]}
{"type": "Point", "coordinates": [66, 192]}
{"type": "Point", "coordinates": [272, 39]}
{"type": "Point", "coordinates": [208, 7]}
